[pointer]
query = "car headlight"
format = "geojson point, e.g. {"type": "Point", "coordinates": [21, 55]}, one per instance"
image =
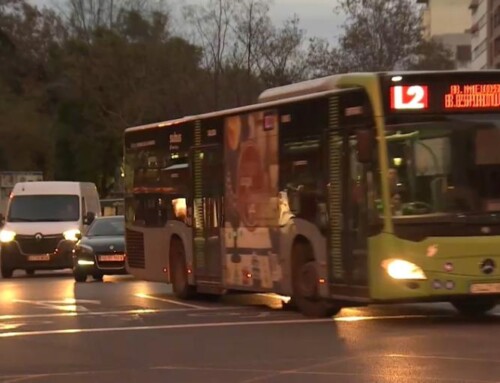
{"type": "Point", "coordinates": [72, 235]}
{"type": "Point", "coordinates": [401, 269]}
{"type": "Point", "coordinates": [7, 236]}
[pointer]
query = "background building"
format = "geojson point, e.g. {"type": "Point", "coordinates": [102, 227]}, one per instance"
{"type": "Point", "coordinates": [480, 33]}
{"type": "Point", "coordinates": [495, 34]}
{"type": "Point", "coordinates": [485, 33]}
{"type": "Point", "coordinates": [448, 21]}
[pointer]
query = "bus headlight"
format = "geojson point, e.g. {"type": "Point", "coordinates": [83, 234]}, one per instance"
{"type": "Point", "coordinates": [7, 236]}
{"type": "Point", "coordinates": [72, 235]}
{"type": "Point", "coordinates": [401, 269]}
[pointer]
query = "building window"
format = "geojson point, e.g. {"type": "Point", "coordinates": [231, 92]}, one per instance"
{"type": "Point", "coordinates": [479, 49]}
{"type": "Point", "coordinates": [497, 46]}
{"type": "Point", "coordinates": [464, 53]}
{"type": "Point", "coordinates": [496, 17]}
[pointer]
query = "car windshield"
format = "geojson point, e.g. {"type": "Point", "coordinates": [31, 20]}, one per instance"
{"type": "Point", "coordinates": [44, 208]}
{"type": "Point", "coordinates": [446, 166]}
{"type": "Point", "coordinates": [107, 227]}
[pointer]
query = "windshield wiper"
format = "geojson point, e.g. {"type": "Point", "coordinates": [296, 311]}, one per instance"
{"type": "Point", "coordinates": [48, 220]}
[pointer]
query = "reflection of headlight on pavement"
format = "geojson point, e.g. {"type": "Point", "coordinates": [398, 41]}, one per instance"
{"type": "Point", "coordinates": [401, 269]}
{"type": "Point", "coordinates": [71, 235]}
{"type": "Point", "coordinates": [7, 236]}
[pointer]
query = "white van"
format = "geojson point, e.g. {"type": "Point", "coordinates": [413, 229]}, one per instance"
{"type": "Point", "coordinates": [43, 222]}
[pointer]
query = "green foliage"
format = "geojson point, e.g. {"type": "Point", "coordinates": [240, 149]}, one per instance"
{"type": "Point", "coordinates": [379, 35]}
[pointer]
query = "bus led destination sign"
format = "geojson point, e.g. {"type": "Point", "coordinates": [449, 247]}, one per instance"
{"type": "Point", "coordinates": [474, 96]}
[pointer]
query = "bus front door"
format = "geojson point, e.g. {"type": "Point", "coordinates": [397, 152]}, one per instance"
{"type": "Point", "coordinates": [347, 180]}
{"type": "Point", "coordinates": [207, 181]}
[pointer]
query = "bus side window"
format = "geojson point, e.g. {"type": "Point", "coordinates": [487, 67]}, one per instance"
{"type": "Point", "coordinates": [151, 210]}
{"type": "Point", "coordinates": [303, 179]}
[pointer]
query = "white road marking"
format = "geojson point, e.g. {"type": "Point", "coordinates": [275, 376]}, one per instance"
{"type": "Point", "coordinates": [269, 373]}
{"type": "Point", "coordinates": [68, 304]}
{"type": "Point", "coordinates": [451, 358]}
{"type": "Point", "coordinates": [161, 327]}
{"type": "Point", "coordinates": [241, 314]}
{"type": "Point", "coordinates": [105, 313]}
{"type": "Point", "coordinates": [381, 317]}
{"type": "Point", "coordinates": [146, 296]}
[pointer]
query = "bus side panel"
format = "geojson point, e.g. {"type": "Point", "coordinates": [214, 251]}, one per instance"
{"type": "Point", "coordinates": [251, 233]}
{"type": "Point", "coordinates": [155, 243]}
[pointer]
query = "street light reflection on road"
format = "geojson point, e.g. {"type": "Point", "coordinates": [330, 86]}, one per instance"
{"type": "Point", "coordinates": [9, 293]}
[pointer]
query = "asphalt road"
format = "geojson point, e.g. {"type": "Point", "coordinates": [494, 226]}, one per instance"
{"type": "Point", "coordinates": [53, 330]}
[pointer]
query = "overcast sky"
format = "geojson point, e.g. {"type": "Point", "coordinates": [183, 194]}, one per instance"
{"type": "Point", "coordinates": [317, 16]}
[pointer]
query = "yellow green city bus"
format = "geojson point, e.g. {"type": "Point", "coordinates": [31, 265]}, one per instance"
{"type": "Point", "coordinates": [348, 190]}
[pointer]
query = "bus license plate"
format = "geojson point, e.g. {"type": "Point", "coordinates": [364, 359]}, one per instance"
{"type": "Point", "coordinates": [485, 288]}
{"type": "Point", "coordinates": [36, 258]}
{"type": "Point", "coordinates": [111, 258]}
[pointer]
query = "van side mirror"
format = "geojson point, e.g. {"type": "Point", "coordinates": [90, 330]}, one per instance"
{"type": "Point", "coordinates": [365, 145]}
{"type": "Point", "coordinates": [89, 218]}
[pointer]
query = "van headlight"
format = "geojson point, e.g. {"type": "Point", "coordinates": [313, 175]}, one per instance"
{"type": "Point", "coordinates": [7, 236]}
{"type": "Point", "coordinates": [71, 235]}
{"type": "Point", "coordinates": [401, 269]}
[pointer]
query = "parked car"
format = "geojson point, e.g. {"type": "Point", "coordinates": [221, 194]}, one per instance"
{"type": "Point", "coordinates": [102, 250]}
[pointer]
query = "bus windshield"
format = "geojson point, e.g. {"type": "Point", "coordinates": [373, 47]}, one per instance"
{"type": "Point", "coordinates": [450, 165]}
{"type": "Point", "coordinates": [44, 208]}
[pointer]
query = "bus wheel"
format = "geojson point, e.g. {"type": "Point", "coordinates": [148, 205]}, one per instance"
{"type": "Point", "coordinates": [473, 307]}
{"type": "Point", "coordinates": [305, 285]}
{"type": "Point", "coordinates": [179, 273]}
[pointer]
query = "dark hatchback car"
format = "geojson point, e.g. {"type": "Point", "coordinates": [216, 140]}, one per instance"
{"type": "Point", "coordinates": [102, 250]}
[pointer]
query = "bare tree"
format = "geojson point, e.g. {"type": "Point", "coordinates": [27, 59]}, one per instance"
{"type": "Point", "coordinates": [379, 34]}
{"type": "Point", "coordinates": [212, 28]}
{"type": "Point", "coordinates": [283, 58]}
{"type": "Point", "coordinates": [84, 17]}
{"type": "Point", "coordinates": [324, 59]}
{"type": "Point", "coordinates": [252, 26]}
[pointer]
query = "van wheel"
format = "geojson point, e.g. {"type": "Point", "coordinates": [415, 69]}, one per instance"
{"type": "Point", "coordinates": [474, 308]}
{"type": "Point", "coordinates": [306, 285]}
{"type": "Point", "coordinates": [179, 273]}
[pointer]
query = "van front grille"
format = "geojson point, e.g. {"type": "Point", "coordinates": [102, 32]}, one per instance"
{"type": "Point", "coordinates": [29, 244]}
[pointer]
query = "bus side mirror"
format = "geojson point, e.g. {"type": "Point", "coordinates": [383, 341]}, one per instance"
{"type": "Point", "coordinates": [365, 145]}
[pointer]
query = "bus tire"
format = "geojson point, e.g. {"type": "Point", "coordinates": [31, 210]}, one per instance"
{"type": "Point", "coordinates": [473, 307]}
{"type": "Point", "coordinates": [179, 273]}
{"type": "Point", "coordinates": [305, 283]}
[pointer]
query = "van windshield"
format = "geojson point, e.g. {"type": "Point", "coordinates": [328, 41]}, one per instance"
{"type": "Point", "coordinates": [44, 208]}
